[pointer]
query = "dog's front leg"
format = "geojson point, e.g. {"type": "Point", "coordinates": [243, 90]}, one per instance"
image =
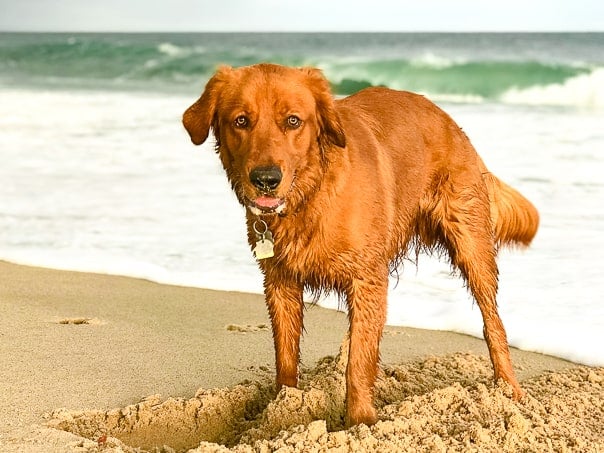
{"type": "Point", "coordinates": [286, 307]}
{"type": "Point", "coordinates": [367, 315]}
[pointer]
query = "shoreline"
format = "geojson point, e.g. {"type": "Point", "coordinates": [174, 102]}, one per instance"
{"type": "Point", "coordinates": [92, 342]}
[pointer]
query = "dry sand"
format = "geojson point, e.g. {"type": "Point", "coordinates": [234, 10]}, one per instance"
{"type": "Point", "coordinates": [94, 363]}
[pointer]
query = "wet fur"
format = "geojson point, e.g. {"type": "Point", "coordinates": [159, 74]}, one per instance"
{"type": "Point", "coordinates": [368, 180]}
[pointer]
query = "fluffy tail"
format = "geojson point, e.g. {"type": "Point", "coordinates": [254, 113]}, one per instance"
{"type": "Point", "coordinates": [514, 218]}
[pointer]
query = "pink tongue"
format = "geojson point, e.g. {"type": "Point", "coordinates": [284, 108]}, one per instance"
{"type": "Point", "coordinates": [267, 202]}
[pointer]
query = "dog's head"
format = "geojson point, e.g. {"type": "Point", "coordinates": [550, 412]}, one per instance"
{"type": "Point", "coordinates": [274, 127]}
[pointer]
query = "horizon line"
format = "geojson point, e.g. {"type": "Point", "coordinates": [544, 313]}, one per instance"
{"type": "Point", "coordinates": [305, 31]}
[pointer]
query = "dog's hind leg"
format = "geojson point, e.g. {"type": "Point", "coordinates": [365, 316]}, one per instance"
{"type": "Point", "coordinates": [468, 236]}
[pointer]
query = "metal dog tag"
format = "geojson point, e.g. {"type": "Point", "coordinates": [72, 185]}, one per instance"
{"type": "Point", "coordinates": [264, 249]}
{"type": "Point", "coordinates": [264, 241]}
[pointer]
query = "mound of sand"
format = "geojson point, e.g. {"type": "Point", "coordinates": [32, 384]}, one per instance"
{"type": "Point", "coordinates": [434, 404]}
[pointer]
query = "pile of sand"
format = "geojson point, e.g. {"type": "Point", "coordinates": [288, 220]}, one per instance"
{"type": "Point", "coordinates": [435, 404]}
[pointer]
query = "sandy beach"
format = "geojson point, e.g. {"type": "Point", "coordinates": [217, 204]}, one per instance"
{"type": "Point", "coordinates": [102, 363]}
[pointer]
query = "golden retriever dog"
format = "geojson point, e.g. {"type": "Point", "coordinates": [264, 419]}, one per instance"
{"type": "Point", "coordinates": [338, 192]}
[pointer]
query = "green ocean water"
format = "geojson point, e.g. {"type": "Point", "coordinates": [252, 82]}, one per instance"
{"type": "Point", "coordinates": [460, 67]}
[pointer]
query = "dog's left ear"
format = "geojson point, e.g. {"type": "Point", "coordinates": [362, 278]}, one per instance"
{"type": "Point", "coordinates": [330, 127]}
{"type": "Point", "coordinates": [198, 118]}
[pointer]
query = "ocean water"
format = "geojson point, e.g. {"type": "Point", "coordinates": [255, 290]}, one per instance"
{"type": "Point", "coordinates": [97, 173]}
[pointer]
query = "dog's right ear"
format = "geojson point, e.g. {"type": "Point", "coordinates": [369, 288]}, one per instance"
{"type": "Point", "coordinates": [198, 118]}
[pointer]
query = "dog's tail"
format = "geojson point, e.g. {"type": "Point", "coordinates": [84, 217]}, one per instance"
{"type": "Point", "coordinates": [515, 219]}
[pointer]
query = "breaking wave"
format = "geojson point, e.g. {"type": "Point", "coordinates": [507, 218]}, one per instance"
{"type": "Point", "coordinates": [169, 62]}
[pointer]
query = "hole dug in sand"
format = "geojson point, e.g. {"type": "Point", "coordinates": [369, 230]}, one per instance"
{"type": "Point", "coordinates": [435, 404]}
{"type": "Point", "coordinates": [214, 418]}
{"type": "Point", "coordinates": [212, 415]}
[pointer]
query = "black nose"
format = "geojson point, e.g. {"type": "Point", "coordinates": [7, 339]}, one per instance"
{"type": "Point", "coordinates": [266, 178]}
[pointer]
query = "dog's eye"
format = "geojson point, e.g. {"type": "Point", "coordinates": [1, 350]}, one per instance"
{"type": "Point", "coordinates": [241, 121]}
{"type": "Point", "coordinates": [293, 122]}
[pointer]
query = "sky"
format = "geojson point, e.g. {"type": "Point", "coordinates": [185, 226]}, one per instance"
{"type": "Point", "coordinates": [301, 15]}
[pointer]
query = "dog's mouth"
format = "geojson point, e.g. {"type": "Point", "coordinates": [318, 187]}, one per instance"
{"type": "Point", "coordinates": [266, 205]}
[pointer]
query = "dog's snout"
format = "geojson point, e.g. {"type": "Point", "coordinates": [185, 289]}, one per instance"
{"type": "Point", "coordinates": [266, 178]}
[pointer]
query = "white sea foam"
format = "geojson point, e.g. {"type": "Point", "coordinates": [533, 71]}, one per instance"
{"type": "Point", "coordinates": [172, 50]}
{"type": "Point", "coordinates": [585, 90]}
{"type": "Point", "coordinates": [109, 182]}
{"type": "Point", "coordinates": [432, 60]}
{"type": "Point", "coordinates": [454, 98]}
